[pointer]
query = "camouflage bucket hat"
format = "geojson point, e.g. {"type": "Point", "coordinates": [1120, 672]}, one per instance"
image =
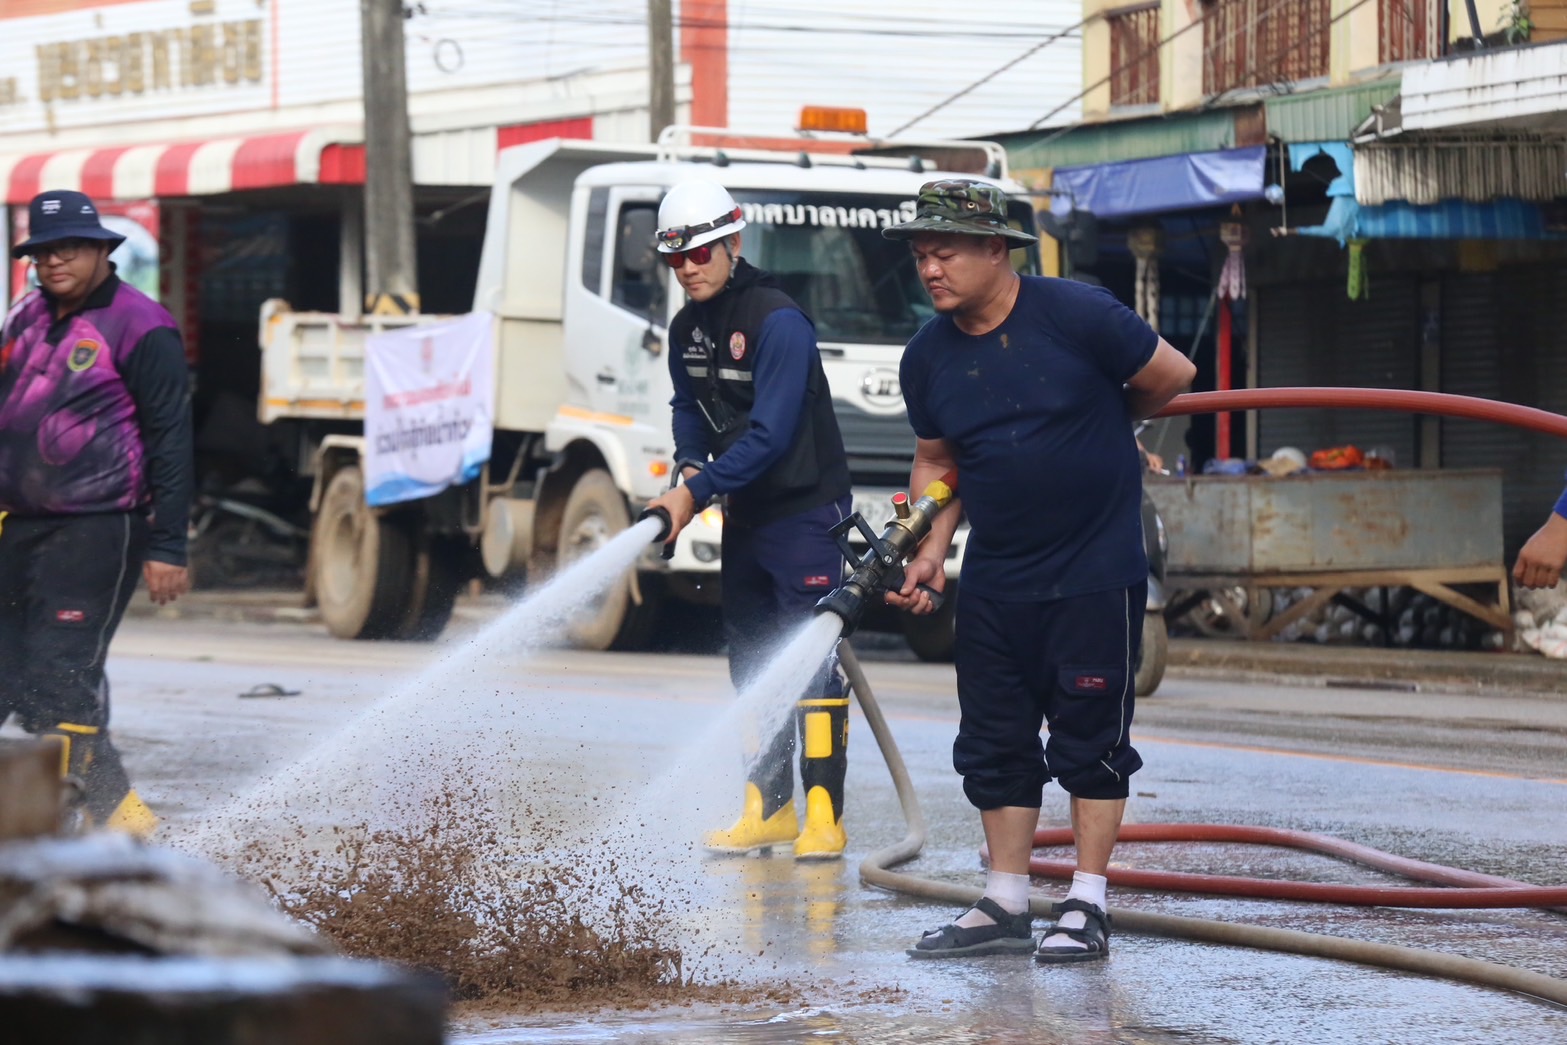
{"type": "Point", "coordinates": [972, 208]}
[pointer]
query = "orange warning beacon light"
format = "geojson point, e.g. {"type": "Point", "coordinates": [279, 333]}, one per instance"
{"type": "Point", "coordinates": [835, 120]}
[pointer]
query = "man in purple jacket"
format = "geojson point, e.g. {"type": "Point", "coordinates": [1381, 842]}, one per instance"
{"type": "Point", "coordinates": [96, 476]}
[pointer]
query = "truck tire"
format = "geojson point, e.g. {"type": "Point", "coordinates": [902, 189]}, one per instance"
{"type": "Point", "coordinates": [931, 636]}
{"type": "Point", "coordinates": [1154, 654]}
{"type": "Point", "coordinates": [438, 578]}
{"type": "Point", "coordinates": [595, 512]}
{"type": "Point", "coordinates": [362, 564]}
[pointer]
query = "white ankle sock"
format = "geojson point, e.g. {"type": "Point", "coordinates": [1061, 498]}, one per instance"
{"type": "Point", "coordinates": [1009, 891]}
{"type": "Point", "coordinates": [1090, 888]}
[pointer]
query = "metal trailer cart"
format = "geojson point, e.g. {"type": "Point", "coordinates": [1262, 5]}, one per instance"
{"type": "Point", "coordinates": [1234, 538]}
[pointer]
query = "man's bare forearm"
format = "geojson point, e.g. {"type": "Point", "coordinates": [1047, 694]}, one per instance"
{"type": "Point", "coordinates": [928, 467]}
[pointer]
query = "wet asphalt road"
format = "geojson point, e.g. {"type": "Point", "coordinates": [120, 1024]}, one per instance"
{"type": "Point", "coordinates": [638, 748]}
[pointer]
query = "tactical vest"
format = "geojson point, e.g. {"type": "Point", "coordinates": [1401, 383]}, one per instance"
{"type": "Point", "coordinates": [717, 341]}
{"type": "Point", "coordinates": [69, 439]}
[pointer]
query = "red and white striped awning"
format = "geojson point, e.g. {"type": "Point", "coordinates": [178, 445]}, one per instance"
{"type": "Point", "coordinates": [202, 168]}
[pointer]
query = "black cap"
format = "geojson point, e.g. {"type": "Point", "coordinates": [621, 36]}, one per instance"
{"type": "Point", "coordinates": [63, 214]}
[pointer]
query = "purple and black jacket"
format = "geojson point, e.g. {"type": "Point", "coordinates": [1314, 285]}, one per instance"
{"type": "Point", "coordinates": [95, 413]}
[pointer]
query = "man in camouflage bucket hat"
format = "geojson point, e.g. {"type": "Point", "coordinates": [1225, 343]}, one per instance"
{"type": "Point", "coordinates": [973, 208]}
{"type": "Point", "coordinates": [1028, 387]}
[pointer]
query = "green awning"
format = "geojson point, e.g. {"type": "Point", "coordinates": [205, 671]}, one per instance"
{"type": "Point", "coordinates": [1087, 144]}
{"type": "Point", "coordinates": [1327, 115]}
{"type": "Point", "coordinates": [1324, 114]}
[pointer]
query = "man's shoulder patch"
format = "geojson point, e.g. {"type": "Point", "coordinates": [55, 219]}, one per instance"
{"type": "Point", "coordinates": [83, 354]}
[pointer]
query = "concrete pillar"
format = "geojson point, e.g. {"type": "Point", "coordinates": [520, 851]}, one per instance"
{"type": "Point", "coordinates": [1354, 44]}
{"type": "Point", "coordinates": [1180, 60]}
{"type": "Point", "coordinates": [1096, 59]}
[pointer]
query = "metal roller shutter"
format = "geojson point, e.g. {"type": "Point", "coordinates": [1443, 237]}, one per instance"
{"type": "Point", "coordinates": [1286, 334]}
{"type": "Point", "coordinates": [1376, 344]}
{"type": "Point", "coordinates": [1313, 335]}
{"type": "Point", "coordinates": [1473, 364]}
{"type": "Point", "coordinates": [1534, 329]}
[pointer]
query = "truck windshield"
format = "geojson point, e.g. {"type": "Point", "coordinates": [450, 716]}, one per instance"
{"type": "Point", "coordinates": [828, 253]}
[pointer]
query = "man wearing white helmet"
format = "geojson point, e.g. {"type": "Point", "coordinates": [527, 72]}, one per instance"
{"type": "Point", "coordinates": [751, 397]}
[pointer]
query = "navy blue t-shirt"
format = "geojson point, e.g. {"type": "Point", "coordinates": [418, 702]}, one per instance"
{"type": "Point", "coordinates": [1035, 411]}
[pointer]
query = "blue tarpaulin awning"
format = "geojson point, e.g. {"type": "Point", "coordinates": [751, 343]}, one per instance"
{"type": "Point", "coordinates": [1450, 219]}
{"type": "Point", "coordinates": [1167, 183]}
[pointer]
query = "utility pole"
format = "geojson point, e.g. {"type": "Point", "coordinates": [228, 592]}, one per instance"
{"type": "Point", "coordinates": [660, 67]}
{"type": "Point", "coordinates": [392, 285]}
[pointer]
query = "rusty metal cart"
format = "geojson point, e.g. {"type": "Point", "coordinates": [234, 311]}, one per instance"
{"type": "Point", "coordinates": [1429, 530]}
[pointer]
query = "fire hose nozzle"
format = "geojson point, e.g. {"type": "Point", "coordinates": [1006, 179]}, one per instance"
{"type": "Point", "coordinates": [665, 525]}
{"type": "Point", "coordinates": [880, 568]}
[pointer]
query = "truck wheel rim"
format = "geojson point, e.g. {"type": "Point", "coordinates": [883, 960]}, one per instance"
{"type": "Point", "coordinates": [342, 557]}
{"type": "Point", "coordinates": [587, 537]}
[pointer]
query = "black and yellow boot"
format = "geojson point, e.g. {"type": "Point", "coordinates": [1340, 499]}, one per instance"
{"type": "Point", "coordinates": [105, 797]}
{"type": "Point", "coordinates": [768, 818]}
{"type": "Point", "coordinates": [824, 732]}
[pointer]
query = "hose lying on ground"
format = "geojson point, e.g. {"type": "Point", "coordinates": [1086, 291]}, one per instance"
{"type": "Point", "coordinates": [874, 871]}
{"type": "Point", "coordinates": [1482, 890]}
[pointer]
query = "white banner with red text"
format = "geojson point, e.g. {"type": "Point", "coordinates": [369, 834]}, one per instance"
{"type": "Point", "coordinates": [429, 407]}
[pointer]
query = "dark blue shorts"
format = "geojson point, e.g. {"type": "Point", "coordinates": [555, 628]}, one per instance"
{"type": "Point", "coordinates": [1069, 663]}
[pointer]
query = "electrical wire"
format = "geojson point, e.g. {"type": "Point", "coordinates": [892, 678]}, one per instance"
{"type": "Point", "coordinates": [939, 30]}
{"type": "Point", "coordinates": [1062, 132]}
{"type": "Point", "coordinates": [991, 76]}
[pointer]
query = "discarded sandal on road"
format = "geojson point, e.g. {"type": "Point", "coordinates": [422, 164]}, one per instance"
{"type": "Point", "coordinates": [1094, 935]}
{"type": "Point", "coordinates": [1010, 934]}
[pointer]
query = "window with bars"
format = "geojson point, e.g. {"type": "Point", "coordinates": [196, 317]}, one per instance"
{"type": "Point", "coordinates": [1408, 30]}
{"type": "Point", "coordinates": [1134, 54]}
{"type": "Point", "coordinates": [1252, 43]}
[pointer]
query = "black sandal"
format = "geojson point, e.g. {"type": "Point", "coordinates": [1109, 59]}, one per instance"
{"type": "Point", "coordinates": [1011, 934]}
{"type": "Point", "coordinates": [1094, 935]}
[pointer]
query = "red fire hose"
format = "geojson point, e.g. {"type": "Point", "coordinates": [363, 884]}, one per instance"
{"type": "Point", "coordinates": [1474, 889]}
{"type": "Point", "coordinates": [1483, 890]}
{"type": "Point", "coordinates": [1441, 403]}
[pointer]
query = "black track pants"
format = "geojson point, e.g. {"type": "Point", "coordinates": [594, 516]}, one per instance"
{"type": "Point", "coordinates": [65, 581]}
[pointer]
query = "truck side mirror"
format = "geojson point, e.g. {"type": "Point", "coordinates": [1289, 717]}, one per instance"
{"type": "Point", "coordinates": [652, 343]}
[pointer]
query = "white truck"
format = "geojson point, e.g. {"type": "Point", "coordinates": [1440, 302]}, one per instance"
{"type": "Point", "coordinates": [581, 304]}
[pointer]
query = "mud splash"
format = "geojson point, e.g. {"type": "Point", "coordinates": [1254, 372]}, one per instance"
{"type": "Point", "coordinates": [509, 925]}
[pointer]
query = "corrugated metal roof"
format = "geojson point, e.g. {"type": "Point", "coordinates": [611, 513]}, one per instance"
{"type": "Point", "coordinates": [1092, 143]}
{"type": "Point", "coordinates": [1327, 115]}
{"type": "Point", "coordinates": [1478, 171]}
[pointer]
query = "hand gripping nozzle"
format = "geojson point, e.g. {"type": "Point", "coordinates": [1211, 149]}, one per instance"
{"type": "Point", "coordinates": [880, 569]}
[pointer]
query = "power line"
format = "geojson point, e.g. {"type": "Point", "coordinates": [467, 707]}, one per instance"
{"type": "Point", "coordinates": [990, 76]}
{"type": "Point", "coordinates": [1069, 128]}
{"type": "Point", "coordinates": [689, 23]}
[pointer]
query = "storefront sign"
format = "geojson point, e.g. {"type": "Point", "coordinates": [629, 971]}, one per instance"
{"type": "Point", "coordinates": [429, 408]}
{"type": "Point", "coordinates": [210, 54]}
{"type": "Point", "coordinates": [90, 63]}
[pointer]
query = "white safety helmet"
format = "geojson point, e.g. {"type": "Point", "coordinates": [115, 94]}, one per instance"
{"type": "Point", "coordinates": [694, 213]}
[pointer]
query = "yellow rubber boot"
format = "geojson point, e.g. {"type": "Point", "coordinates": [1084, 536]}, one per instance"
{"type": "Point", "coordinates": [753, 831]}
{"type": "Point", "coordinates": [823, 837]}
{"type": "Point", "coordinates": [133, 817]}
{"type": "Point", "coordinates": [824, 732]}
{"type": "Point", "coordinates": [105, 797]}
